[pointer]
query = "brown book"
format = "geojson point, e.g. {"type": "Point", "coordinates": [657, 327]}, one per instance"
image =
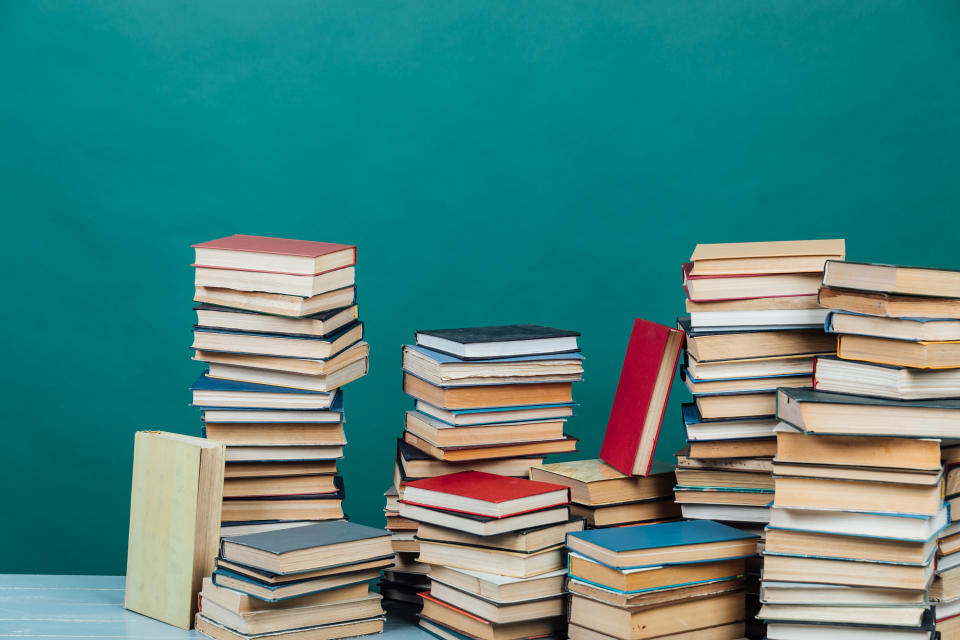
{"type": "Point", "coordinates": [587, 570]}
{"type": "Point", "coordinates": [866, 451]}
{"type": "Point", "coordinates": [724, 478]}
{"type": "Point", "coordinates": [707, 347]}
{"type": "Point", "coordinates": [493, 395]}
{"type": "Point", "coordinates": [781, 303]}
{"type": "Point", "coordinates": [292, 468]}
{"type": "Point", "coordinates": [657, 596]}
{"type": "Point", "coordinates": [283, 433]}
{"type": "Point", "coordinates": [627, 513]}
{"type": "Point", "coordinates": [295, 509]}
{"type": "Point", "coordinates": [641, 623]}
{"type": "Point", "coordinates": [859, 474]}
{"type": "Point", "coordinates": [304, 366]}
{"type": "Point", "coordinates": [806, 543]}
{"type": "Point", "coordinates": [889, 278]}
{"type": "Point", "coordinates": [595, 483]}
{"type": "Point", "coordinates": [684, 461]}
{"type": "Point", "coordinates": [525, 540]}
{"type": "Point", "coordinates": [890, 306]}
{"type": "Point", "coordinates": [240, 602]}
{"type": "Point", "coordinates": [749, 448]}
{"type": "Point", "coordinates": [900, 353]}
{"type": "Point", "coordinates": [882, 497]}
{"type": "Point", "coordinates": [464, 454]}
{"type": "Point", "coordinates": [737, 405]}
{"type": "Point", "coordinates": [273, 620]}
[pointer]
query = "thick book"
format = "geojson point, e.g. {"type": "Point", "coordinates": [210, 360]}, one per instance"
{"type": "Point", "coordinates": [488, 395]}
{"type": "Point", "coordinates": [276, 303]}
{"type": "Point", "coordinates": [282, 255]}
{"type": "Point", "coordinates": [663, 544]}
{"type": "Point", "coordinates": [484, 525]}
{"type": "Point", "coordinates": [737, 287]}
{"type": "Point", "coordinates": [309, 547]}
{"type": "Point", "coordinates": [912, 329]}
{"type": "Point", "coordinates": [174, 524]}
{"type": "Point", "coordinates": [210, 392]}
{"type": "Point", "coordinates": [657, 578]}
{"type": "Point", "coordinates": [747, 319]}
{"type": "Point", "coordinates": [485, 494]}
{"type": "Point", "coordinates": [784, 256]}
{"type": "Point", "coordinates": [486, 452]}
{"type": "Point", "coordinates": [900, 353]}
{"type": "Point", "coordinates": [333, 631]}
{"type": "Point", "coordinates": [441, 434]}
{"type": "Point", "coordinates": [305, 286]}
{"type": "Point", "coordinates": [895, 279]}
{"type": "Point", "coordinates": [893, 526]}
{"type": "Point", "coordinates": [641, 398]}
{"type": "Point", "coordinates": [283, 364]}
{"type": "Point", "coordinates": [319, 324]}
{"type": "Point", "coordinates": [648, 511]}
{"type": "Point", "coordinates": [710, 346]}
{"type": "Point", "coordinates": [277, 344]}
{"type": "Point", "coordinates": [447, 622]}
{"type": "Point", "coordinates": [699, 429]}
{"type": "Point", "coordinates": [821, 412]}
{"type": "Point", "coordinates": [884, 380]}
{"type": "Point", "coordinates": [446, 370]}
{"type": "Point", "coordinates": [594, 482]}
{"type": "Point", "coordinates": [888, 305]}
{"type": "Point", "coordinates": [499, 342]}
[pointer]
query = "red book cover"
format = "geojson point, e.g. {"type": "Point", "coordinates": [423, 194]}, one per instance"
{"type": "Point", "coordinates": [488, 487]}
{"type": "Point", "coordinates": [652, 355]}
{"type": "Point", "coordinates": [281, 246]}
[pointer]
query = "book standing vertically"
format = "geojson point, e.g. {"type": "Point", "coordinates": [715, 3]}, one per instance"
{"type": "Point", "coordinates": [174, 523]}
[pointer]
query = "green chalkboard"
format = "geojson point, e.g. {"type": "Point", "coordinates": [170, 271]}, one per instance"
{"type": "Point", "coordinates": [545, 162]}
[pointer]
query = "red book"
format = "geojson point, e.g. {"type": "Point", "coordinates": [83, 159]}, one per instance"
{"type": "Point", "coordinates": [276, 255]}
{"type": "Point", "coordinates": [638, 406]}
{"type": "Point", "coordinates": [484, 494]}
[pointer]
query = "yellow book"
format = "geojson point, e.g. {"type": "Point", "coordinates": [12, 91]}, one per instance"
{"type": "Point", "coordinates": [174, 523]}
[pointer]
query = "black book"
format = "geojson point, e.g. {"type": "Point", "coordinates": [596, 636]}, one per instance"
{"type": "Point", "coordinates": [484, 343]}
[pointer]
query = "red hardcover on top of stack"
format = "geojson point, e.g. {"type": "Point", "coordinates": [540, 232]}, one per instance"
{"type": "Point", "coordinates": [484, 494]}
{"type": "Point", "coordinates": [638, 406]}
{"type": "Point", "coordinates": [303, 249]}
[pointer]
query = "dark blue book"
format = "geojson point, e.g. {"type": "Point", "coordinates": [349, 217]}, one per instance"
{"type": "Point", "coordinates": [663, 544]}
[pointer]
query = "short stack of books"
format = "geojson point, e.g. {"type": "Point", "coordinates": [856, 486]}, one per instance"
{"type": "Point", "coordinates": [667, 581]}
{"type": "Point", "coordinates": [277, 326]}
{"type": "Point", "coordinates": [309, 581]}
{"type": "Point", "coordinates": [402, 584]}
{"type": "Point", "coordinates": [494, 545]}
{"type": "Point", "coordinates": [859, 504]}
{"type": "Point", "coordinates": [754, 326]}
{"type": "Point", "coordinates": [605, 497]}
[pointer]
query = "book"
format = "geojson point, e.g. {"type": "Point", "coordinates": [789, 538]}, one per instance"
{"type": "Point", "coordinates": [732, 464]}
{"type": "Point", "coordinates": [723, 495]}
{"type": "Point", "coordinates": [318, 325]}
{"type": "Point", "coordinates": [734, 287]}
{"type": "Point", "coordinates": [900, 353]}
{"type": "Point", "coordinates": [441, 434]}
{"type": "Point", "coordinates": [506, 563]}
{"type": "Point", "coordinates": [524, 540]}
{"type": "Point", "coordinates": [243, 528]}
{"type": "Point", "coordinates": [278, 453]}
{"type": "Point", "coordinates": [706, 346]}
{"type": "Point", "coordinates": [483, 416]}
{"type": "Point", "coordinates": [244, 433]}
{"type": "Point", "coordinates": [736, 405]}
{"type": "Point", "coordinates": [726, 513]}
{"type": "Point", "coordinates": [699, 428]}
{"type": "Point", "coordinates": [640, 400]}
{"type": "Point", "coordinates": [305, 366]}
{"type": "Point", "coordinates": [641, 511]}
{"type": "Point", "coordinates": [175, 502]}
{"type": "Point", "coordinates": [862, 451]}
{"type": "Point", "coordinates": [317, 632]}
{"type": "Point", "coordinates": [315, 507]}
{"type": "Point", "coordinates": [755, 318]}
{"type": "Point", "coordinates": [217, 392]}
{"type": "Point", "coordinates": [242, 415]}
{"type": "Point", "coordinates": [275, 303]}
{"type": "Point", "coordinates": [331, 574]}
{"type": "Point", "coordinates": [846, 572]}
{"type": "Point", "coordinates": [415, 463]}
{"type": "Point", "coordinates": [787, 256]}
{"type": "Point", "coordinates": [236, 599]}
{"type": "Point", "coordinates": [899, 616]}
{"type": "Point", "coordinates": [731, 631]}
{"type": "Point", "coordinates": [256, 469]}
{"type": "Point", "coordinates": [282, 486]}
{"type": "Point", "coordinates": [829, 493]}
{"type": "Point", "coordinates": [485, 452]}
{"type": "Point", "coordinates": [304, 286]}
{"type": "Point", "coordinates": [794, 365]}
{"type": "Point", "coordinates": [658, 595]}
{"type": "Point", "coordinates": [911, 329]}
{"type": "Point", "coordinates": [881, 525]}
{"type": "Point", "coordinates": [260, 253]}
{"type": "Point", "coordinates": [499, 342]}
{"type": "Point", "coordinates": [795, 631]}
{"type": "Point", "coordinates": [733, 448]}
{"type": "Point", "coordinates": [445, 370]}
{"type": "Point", "coordinates": [820, 412]}
{"type": "Point", "coordinates": [724, 477]}
{"type": "Point", "coordinates": [742, 385]}
{"type": "Point", "coordinates": [782, 303]}
{"type": "Point", "coordinates": [450, 623]}
{"type": "Point", "coordinates": [888, 306]}
{"type": "Point", "coordinates": [641, 623]}
{"type": "Point", "coordinates": [491, 395]}
{"type": "Point", "coordinates": [328, 382]}
{"type": "Point", "coordinates": [661, 544]}
{"type": "Point", "coordinates": [497, 612]}
{"type": "Point", "coordinates": [884, 381]}
{"type": "Point", "coordinates": [294, 590]}
{"type": "Point", "coordinates": [859, 474]}
{"type": "Point", "coordinates": [309, 547]}
{"type": "Point", "coordinates": [804, 543]}
{"type": "Point", "coordinates": [497, 588]}
{"type": "Point", "coordinates": [594, 482]}
{"type": "Point", "coordinates": [275, 620]}
{"type": "Point", "coordinates": [895, 279]}
{"type": "Point", "coordinates": [483, 525]}
{"type": "Point", "coordinates": [832, 594]}
{"type": "Point", "coordinates": [484, 494]}
{"type": "Point", "coordinates": [277, 344]}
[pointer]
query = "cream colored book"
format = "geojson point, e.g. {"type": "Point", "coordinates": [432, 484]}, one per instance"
{"type": "Point", "coordinates": [174, 523]}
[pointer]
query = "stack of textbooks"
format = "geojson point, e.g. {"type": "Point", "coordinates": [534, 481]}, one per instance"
{"type": "Point", "coordinates": [754, 326]}
{"type": "Point", "coordinates": [605, 497]}
{"type": "Point", "coordinates": [309, 581]}
{"type": "Point", "coordinates": [859, 543]}
{"type": "Point", "coordinates": [667, 581]}
{"type": "Point", "coordinates": [277, 326]}
{"type": "Point", "coordinates": [402, 584]}
{"type": "Point", "coordinates": [494, 545]}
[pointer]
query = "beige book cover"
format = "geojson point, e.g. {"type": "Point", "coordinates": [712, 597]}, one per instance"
{"type": "Point", "coordinates": [174, 523]}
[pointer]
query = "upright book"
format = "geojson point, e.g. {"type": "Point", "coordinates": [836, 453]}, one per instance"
{"type": "Point", "coordinates": [174, 524]}
{"type": "Point", "coordinates": [638, 406]}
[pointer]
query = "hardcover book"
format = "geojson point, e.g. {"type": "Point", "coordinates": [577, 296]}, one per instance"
{"type": "Point", "coordinates": [281, 255]}
{"type": "Point", "coordinates": [499, 342]}
{"type": "Point", "coordinates": [484, 494]}
{"type": "Point", "coordinates": [641, 397]}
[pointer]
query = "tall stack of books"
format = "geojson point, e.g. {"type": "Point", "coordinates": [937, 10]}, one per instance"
{"type": "Point", "coordinates": [490, 399]}
{"type": "Point", "coordinates": [667, 581]}
{"type": "Point", "coordinates": [300, 582]}
{"type": "Point", "coordinates": [494, 545]}
{"type": "Point", "coordinates": [277, 326]}
{"type": "Point", "coordinates": [859, 505]}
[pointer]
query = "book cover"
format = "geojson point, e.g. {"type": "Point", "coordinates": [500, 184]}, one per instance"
{"type": "Point", "coordinates": [638, 408]}
{"type": "Point", "coordinates": [206, 383]}
{"type": "Point", "coordinates": [279, 246]}
{"type": "Point", "coordinates": [802, 394]}
{"type": "Point", "coordinates": [504, 333]}
{"type": "Point", "coordinates": [445, 358]}
{"type": "Point", "coordinates": [776, 249]}
{"type": "Point", "coordinates": [489, 487]}
{"type": "Point", "coordinates": [309, 536]}
{"type": "Point", "coordinates": [288, 336]}
{"type": "Point", "coordinates": [664, 534]}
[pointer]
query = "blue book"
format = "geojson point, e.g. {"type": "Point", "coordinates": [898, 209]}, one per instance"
{"type": "Point", "coordinates": [666, 543]}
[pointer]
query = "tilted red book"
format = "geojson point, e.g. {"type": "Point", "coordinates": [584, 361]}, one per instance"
{"type": "Point", "coordinates": [638, 406]}
{"type": "Point", "coordinates": [484, 494]}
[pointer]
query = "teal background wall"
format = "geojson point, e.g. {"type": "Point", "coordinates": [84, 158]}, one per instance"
{"type": "Point", "coordinates": [534, 161]}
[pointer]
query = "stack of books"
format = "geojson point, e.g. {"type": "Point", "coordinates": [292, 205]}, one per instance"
{"type": "Point", "coordinates": [754, 326]}
{"type": "Point", "coordinates": [852, 544]}
{"type": "Point", "coordinates": [402, 584]}
{"type": "Point", "coordinates": [494, 545]}
{"type": "Point", "coordinates": [667, 581]}
{"type": "Point", "coordinates": [300, 582]}
{"type": "Point", "coordinates": [277, 326]}
{"type": "Point", "coordinates": [605, 497]}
